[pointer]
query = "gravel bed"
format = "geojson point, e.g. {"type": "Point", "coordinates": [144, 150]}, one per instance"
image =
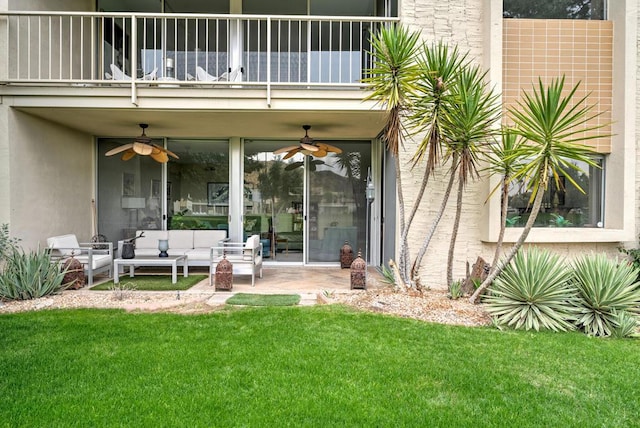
{"type": "Point", "coordinates": [431, 306]}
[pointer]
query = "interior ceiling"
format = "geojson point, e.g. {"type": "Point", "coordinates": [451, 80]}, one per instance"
{"type": "Point", "coordinates": [215, 124]}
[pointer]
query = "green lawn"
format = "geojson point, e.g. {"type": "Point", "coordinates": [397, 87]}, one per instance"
{"type": "Point", "coordinates": [151, 283]}
{"type": "Point", "coordinates": [296, 366]}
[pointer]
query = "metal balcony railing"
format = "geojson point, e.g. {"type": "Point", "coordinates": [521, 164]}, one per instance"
{"type": "Point", "coordinates": [173, 50]}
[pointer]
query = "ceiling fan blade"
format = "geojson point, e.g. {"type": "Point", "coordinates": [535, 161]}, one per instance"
{"type": "Point", "coordinates": [128, 155]}
{"type": "Point", "coordinates": [329, 148]}
{"type": "Point", "coordinates": [119, 149]}
{"type": "Point", "coordinates": [309, 147]}
{"type": "Point", "coordinates": [319, 154]}
{"type": "Point", "coordinates": [142, 149]}
{"type": "Point", "coordinates": [169, 152]}
{"type": "Point", "coordinates": [291, 153]}
{"type": "Point", "coordinates": [284, 149]}
{"type": "Point", "coordinates": [160, 157]}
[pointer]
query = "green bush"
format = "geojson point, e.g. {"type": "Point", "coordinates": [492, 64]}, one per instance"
{"type": "Point", "coordinates": [29, 275]}
{"type": "Point", "coordinates": [534, 291]}
{"type": "Point", "coordinates": [7, 244]}
{"type": "Point", "coordinates": [605, 287]}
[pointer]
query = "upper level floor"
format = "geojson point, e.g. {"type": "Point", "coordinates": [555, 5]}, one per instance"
{"type": "Point", "coordinates": [159, 44]}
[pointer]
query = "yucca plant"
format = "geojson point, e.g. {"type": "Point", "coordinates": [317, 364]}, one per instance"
{"type": "Point", "coordinates": [626, 325]}
{"type": "Point", "coordinates": [534, 291]}
{"type": "Point", "coordinates": [605, 287]}
{"type": "Point", "coordinates": [29, 275]}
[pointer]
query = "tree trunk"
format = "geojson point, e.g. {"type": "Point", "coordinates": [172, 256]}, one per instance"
{"type": "Point", "coordinates": [454, 233]}
{"type": "Point", "coordinates": [434, 225]}
{"type": "Point", "coordinates": [503, 221]}
{"type": "Point", "coordinates": [414, 209]}
{"type": "Point", "coordinates": [537, 203]}
{"type": "Point", "coordinates": [404, 245]}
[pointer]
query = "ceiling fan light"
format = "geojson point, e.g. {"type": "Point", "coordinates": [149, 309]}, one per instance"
{"type": "Point", "coordinates": [142, 149]}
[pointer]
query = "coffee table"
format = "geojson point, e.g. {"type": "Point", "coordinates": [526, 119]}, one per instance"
{"type": "Point", "coordinates": [172, 261]}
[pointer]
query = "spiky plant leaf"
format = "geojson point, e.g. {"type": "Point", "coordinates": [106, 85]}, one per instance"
{"type": "Point", "coordinates": [533, 292]}
{"type": "Point", "coordinates": [626, 325]}
{"type": "Point", "coordinates": [605, 287]}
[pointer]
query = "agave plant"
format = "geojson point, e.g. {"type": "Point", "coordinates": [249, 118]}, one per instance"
{"type": "Point", "coordinates": [605, 288]}
{"type": "Point", "coordinates": [30, 275]}
{"type": "Point", "coordinates": [626, 325]}
{"type": "Point", "coordinates": [534, 291]}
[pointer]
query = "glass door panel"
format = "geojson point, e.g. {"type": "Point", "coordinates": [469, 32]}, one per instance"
{"type": "Point", "coordinates": [273, 201]}
{"type": "Point", "coordinates": [337, 210]}
{"type": "Point", "coordinates": [198, 185]}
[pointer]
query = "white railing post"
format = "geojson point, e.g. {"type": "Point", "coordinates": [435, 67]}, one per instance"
{"type": "Point", "coordinates": [134, 59]}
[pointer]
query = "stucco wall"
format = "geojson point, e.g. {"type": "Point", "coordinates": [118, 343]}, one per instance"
{"type": "Point", "coordinates": [51, 179]}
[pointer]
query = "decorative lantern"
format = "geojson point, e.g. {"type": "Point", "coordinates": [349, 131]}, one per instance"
{"type": "Point", "coordinates": [224, 275]}
{"type": "Point", "coordinates": [359, 273]}
{"type": "Point", "coordinates": [346, 255]}
{"type": "Point", "coordinates": [163, 246]}
{"type": "Point", "coordinates": [74, 276]}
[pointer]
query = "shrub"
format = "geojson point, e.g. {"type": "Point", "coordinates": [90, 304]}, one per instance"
{"type": "Point", "coordinates": [29, 275]}
{"type": "Point", "coordinates": [626, 325]}
{"type": "Point", "coordinates": [534, 291]}
{"type": "Point", "coordinates": [605, 287]}
{"type": "Point", "coordinates": [455, 290]}
{"type": "Point", "coordinates": [7, 244]}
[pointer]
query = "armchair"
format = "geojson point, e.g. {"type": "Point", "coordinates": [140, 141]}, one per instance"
{"type": "Point", "coordinates": [95, 258]}
{"type": "Point", "coordinates": [246, 258]}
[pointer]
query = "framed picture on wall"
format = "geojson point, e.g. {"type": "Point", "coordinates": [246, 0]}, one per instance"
{"type": "Point", "coordinates": [155, 188]}
{"type": "Point", "coordinates": [128, 184]}
{"type": "Point", "coordinates": [217, 194]}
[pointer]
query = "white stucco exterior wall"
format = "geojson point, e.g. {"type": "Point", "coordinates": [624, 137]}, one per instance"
{"type": "Point", "coordinates": [51, 179]}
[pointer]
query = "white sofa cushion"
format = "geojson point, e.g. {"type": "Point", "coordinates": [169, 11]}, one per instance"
{"type": "Point", "coordinates": [65, 242]}
{"type": "Point", "coordinates": [150, 239]}
{"type": "Point", "coordinates": [181, 239]}
{"type": "Point", "coordinates": [198, 254]}
{"type": "Point", "coordinates": [99, 260]}
{"type": "Point", "coordinates": [208, 238]}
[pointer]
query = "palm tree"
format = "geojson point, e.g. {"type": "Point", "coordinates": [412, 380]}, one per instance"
{"type": "Point", "coordinates": [439, 68]}
{"type": "Point", "coordinates": [469, 124]}
{"type": "Point", "coordinates": [504, 161]}
{"type": "Point", "coordinates": [392, 80]}
{"type": "Point", "coordinates": [553, 126]}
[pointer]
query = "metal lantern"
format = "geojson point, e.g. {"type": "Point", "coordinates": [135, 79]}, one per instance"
{"type": "Point", "coordinates": [346, 255]}
{"type": "Point", "coordinates": [359, 273]}
{"type": "Point", "coordinates": [224, 275]}
{"type": "Point", "coordinates": [74, 273]}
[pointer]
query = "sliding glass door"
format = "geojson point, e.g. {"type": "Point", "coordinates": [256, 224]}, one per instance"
{"type": "Point", "coordinates": [274, 189]}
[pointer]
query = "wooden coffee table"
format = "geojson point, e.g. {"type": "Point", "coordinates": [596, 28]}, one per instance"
{"type": "Point", "coordinates": [172, 261]}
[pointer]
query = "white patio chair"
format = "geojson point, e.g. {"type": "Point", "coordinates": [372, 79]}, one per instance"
{"type": "Point", "coordinates": [118, 74]}
{"type": "Point", "coordinates": [95, 258]}
{"type": "Point", "coordinates": [203, 76]}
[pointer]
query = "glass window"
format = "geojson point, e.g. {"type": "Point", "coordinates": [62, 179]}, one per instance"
{"type": "Point", "coordinates": [129, 192]}
{"type": "Point", "coordinates": [555, 9]}
{"type": "Point", "coordinates": [198, 185]}
{"type": "Point", "coordinates": [563, 205]}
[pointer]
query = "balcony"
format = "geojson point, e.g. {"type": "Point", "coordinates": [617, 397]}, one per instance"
{"type": "Point", "coordinates": [186, 50]}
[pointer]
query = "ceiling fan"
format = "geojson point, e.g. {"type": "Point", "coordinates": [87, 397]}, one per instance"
{"type": "Point", "coordinates": [308, 146]}
{"type": "Point", "coordinates": [143, 146]}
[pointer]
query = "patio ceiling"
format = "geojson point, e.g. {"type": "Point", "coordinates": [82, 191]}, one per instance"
{"type": "Point", "coordinates": [214, 124]}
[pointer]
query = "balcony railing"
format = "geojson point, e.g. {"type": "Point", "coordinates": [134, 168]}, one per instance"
{"type": "Point", "coordinates": [173, 50]}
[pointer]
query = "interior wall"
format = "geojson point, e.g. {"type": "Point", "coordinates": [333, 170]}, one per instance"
{"type": "Point", "coordinates": [52, 5]}
{"type": "Point", "coordinates": [51, 180]}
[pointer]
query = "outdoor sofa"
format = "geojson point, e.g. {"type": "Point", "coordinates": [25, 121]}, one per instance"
{"type": "Point", "coordinates": [95, 257]}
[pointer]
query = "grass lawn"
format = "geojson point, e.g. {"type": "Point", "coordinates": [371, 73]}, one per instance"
{"type": "Point", "coordinates": [305, 366]}
{"type": "Point", "coordinates": [152, 283]}
{"type": "Point", "coordinates": [250, 299]}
